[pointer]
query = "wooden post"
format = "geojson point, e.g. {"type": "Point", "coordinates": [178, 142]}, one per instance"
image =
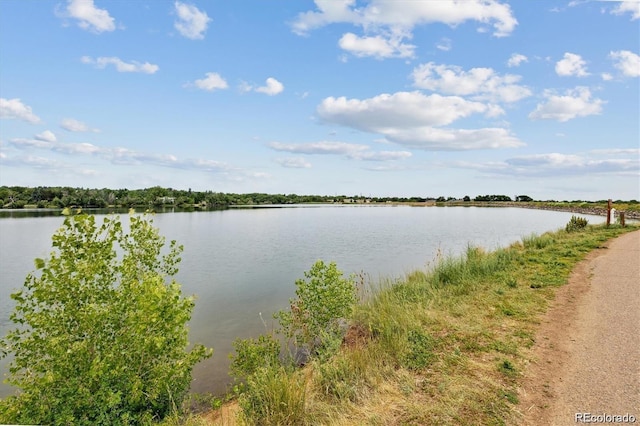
{"type": "Point", "coordinates": [609, 212]}
{"type": "Point", "coordinates": [622, 219]}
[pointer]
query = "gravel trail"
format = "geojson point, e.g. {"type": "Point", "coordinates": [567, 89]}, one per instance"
{"type": "Point", "coordinates": [585, 365]}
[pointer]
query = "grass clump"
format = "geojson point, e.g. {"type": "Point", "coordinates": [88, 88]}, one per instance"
{"type": "Point", "coordinates": [274, 396]}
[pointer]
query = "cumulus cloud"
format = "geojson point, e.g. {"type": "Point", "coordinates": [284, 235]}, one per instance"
{"type": "Point", "coordinates": [271, 88]}
{"type": "Point", "coordinates": [73, 125]}
{"type": "Point", "coordinates": [387, 24]}
{"type": "Point", "coordinates": [571, 65]}
{"type": "Point", "coordinates": [294, 162]}
{"type": "Point", "coordinates": [15, 109]}
{"type": "Point", "coordinates": [192, 23]}
{"type": "Point", "coordinates": [627, 62]}
{"type": "Point", "coordinates": [624, 7]}
{"type": "Point", "coordinates": [349, 150]}
{"type": "Point", "coordinates": [392, 15]}
{"type": "Point", "coordinates": [516, 59]}
{"type": "Point", "coordinates": [212, 81]}
{"type": "Point", "coordinates": [378, 46]}
{"type": "Point", "coordinates": [483, 83]}
{"type": "Point", "coordinates": [89, 17]}
{"type": "Point", "coordinates": [574, 103]}
{"type": "Point", "coordinates": [121, 66]}
{"type": "Point", "coordinates": [413, 119]}
{"type": "Point", "coordinates": [409, 109]}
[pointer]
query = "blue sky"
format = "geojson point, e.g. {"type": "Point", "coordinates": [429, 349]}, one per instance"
{"type": "Point", "coordinates": [378, 98]}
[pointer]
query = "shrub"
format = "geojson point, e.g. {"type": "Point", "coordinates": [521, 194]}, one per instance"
{"type": "Point", "coordinates": [100, 338]}
{"type": "Point", "coordinates": [576, 224]}
{"type": "Point", "coordinates": [324, 298]}
{"type": "Point", "coordinates": [253, 354]}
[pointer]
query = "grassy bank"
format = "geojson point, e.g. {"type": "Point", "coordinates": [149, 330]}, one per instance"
{"type": "Point", "coordinates": [443, 346]}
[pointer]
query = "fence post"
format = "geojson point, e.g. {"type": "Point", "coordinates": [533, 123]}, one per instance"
{"type": "Point", "coordinates": [621, 219]}
{"type": "Point", "coordinates": [609, 212]}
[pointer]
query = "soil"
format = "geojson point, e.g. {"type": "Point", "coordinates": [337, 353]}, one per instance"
{"type": "Point", "coordinates": [586, 359]}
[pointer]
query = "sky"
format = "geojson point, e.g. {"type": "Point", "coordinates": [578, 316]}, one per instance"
{"type": "Point", "coordinates": [373, 98]}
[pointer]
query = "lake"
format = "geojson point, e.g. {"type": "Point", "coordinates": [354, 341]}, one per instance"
{"type": "Point", "coordinates": [242, 263]}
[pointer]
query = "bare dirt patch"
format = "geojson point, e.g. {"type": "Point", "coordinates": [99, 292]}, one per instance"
{"type": "Point", "coordinates": [585, 355]}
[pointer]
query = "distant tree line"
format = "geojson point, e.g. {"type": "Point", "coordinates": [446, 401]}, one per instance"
{"type": "Point", "coordinates": [17, 197]}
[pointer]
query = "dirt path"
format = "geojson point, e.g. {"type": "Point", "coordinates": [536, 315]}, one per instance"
{"type": "Point", "coordinates": [587, 353]}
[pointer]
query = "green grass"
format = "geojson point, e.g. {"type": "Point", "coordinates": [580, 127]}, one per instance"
{"type": "Point", "coordinates": [444, 346]}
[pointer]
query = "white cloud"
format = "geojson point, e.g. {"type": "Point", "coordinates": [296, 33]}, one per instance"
{"type": "Point", "coordinates": [616, 151]}
{"type": "Point", "coordinates": [89, 16]}
{"type": "Point", "coordinates": [46, 136]}
{"type": "Point", "coordinates": [378, 46]}
{"type": "Point", "coordinates": [606, 76]}
{"type": "Point", "coordinates": [192, 23]}
{"type": "Point", "coordinates": [21, 143]}
{"type": "Point", "coordinates": [405, 15]}
{"type": "Point", "coordinates": [323, 147]}
{"type": "Point", "coordinates": [627, 62]}
{"type": "Point", "coordinates": [571, 65]}
{"type": "Point", "coordinates": [120, 65]}
{"type": "Point", "coordinates": [408, 109]}
{"type": "Point", "coordinates": [412, 119]}
{"type": "Point", "coordinates": [516, 59]}
{"type": "Point", "coordinates": [444, 139]}
{"type": "Point", "coordinates": [294, 162]}
{"type": "Point", "coordinates": [122, 156]}
{"type": "Point", "coordinates": [211, 82]}
{"type": "Point", "coordinates": [15, 109]}
{"type": "Point", "coordinates": [272, 87]}
{"type": "Point", "coordinates": [353, 151]}
{"type": "Point", "coordinates": [73, 125]}
{"type": "Point", "coordinates": [386, 24]}
{"type": "Point", "coordinates": [575, 103]}
{"type": "Point", "coordinates": [484, 83]}
{"type": "Point", "coordinates": [632, 7]}
{"type": "Point", "coordinates": [383, 155]}
{"type": "Point", "coordinates": [563, 164]}
{"type": "Point", "coordinates": [444, 44]}
{"type": "Point", "coordinates": [552, 165]}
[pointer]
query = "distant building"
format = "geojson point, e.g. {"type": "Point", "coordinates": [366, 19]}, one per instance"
{"type": "Point", "coordinates": [166, 200]}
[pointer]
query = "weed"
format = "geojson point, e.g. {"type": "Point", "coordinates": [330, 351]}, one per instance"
{"type": "Point", "coordinates": [420, 350]}
{"type": "Point", "coordinates": [576, 224]}
{"type": "Point", "coordinates": [507, 368]}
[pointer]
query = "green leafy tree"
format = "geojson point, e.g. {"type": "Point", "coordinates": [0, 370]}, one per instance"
{"type": "Point", "coordinates": [100, 334]}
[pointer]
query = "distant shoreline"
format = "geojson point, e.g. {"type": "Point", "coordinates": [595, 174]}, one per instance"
{"type": "Point", "coordinates": [596, 209]}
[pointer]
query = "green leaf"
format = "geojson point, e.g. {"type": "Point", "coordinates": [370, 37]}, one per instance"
{"type": "Point", "coordinates": [39, 263]}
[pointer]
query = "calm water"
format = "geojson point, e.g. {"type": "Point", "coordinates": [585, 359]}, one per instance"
{"type": "Point", "coordinates": [242, 264]}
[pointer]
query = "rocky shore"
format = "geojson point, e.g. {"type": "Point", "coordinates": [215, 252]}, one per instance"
{"type": "Point", "coordinates": [598, 211]}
